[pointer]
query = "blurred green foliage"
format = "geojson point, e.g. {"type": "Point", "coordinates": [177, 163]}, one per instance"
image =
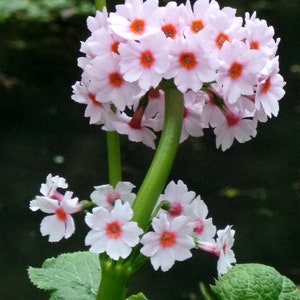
{"type": "Point", "coordinates": [44, 10]}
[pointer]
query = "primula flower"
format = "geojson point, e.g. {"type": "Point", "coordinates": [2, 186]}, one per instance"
{"type": "Point", "coordinates": [105, 195]}
{"type": "Point", "coordinates": [222, 249]}
{"type": "Point", "coordinates": [49, 190]}
{"type": "Point", "coordinates": [232, 126]}
{"type": "Point", "coordinates": [60, 223]}
{"type": "Point", "coordinates": [203, 228]}
{"type": "Point", "coordinates": [137, 129]}
{"type": "Point", "coordinates": [145, 61]}
{"type": "Point", "coordinates": [223, 26]}
{"type": "Point", "coordinates": [112, 231]}
{"type": "Point", "coordinates": [198, 18]}
{"type": "Point", "coordinates": [190, 64]}
{"type": "Point", "coordinates": [260, 35]}
{"type": "Point", "coordinates": [192, 115]}
{"type": "Point", "coordinates": [270, 90]}
{"type": "Point", "coordinates": [135, 19]}
{"type": "Point", "coordinates": [95, 110]}
{"type": "Point", "coordinates": [178, 196]}
{"type": "Point", "coordinates": [107, 82]}
{"type": "Point", "coordinates": [169, 242]}
{"type": "Point", "coordinates": [238, 70]}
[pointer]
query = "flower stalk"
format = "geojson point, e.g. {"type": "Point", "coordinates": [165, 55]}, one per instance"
{"type": "Point", "coordinates": [159, 170]}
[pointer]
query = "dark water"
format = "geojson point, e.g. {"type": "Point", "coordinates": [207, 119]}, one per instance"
{"type": "Point", "coordinates": [40, 125]}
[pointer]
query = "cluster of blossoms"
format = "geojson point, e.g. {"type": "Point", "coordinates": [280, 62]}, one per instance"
{"type": "Point", "coordinates": [179, 224]}
{"type": "Point", "coordinates": [226, 68]}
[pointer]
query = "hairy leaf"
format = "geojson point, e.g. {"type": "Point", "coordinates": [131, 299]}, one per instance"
{"type": "Point", "coordinates": [70, 276]}
{"type": "Point", "coordinates": [255, 282]}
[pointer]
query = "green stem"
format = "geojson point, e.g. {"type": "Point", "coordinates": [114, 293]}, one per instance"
{"type": "Point", "coordinates": [114, 158]}
{"type": "Point", "coordinates": [113, 281]}
{"type": "Point", "coordinates": [160, 168]}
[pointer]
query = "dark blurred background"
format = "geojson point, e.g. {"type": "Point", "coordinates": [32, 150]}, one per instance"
{"type": "Point", "coordinates": [253, 186]}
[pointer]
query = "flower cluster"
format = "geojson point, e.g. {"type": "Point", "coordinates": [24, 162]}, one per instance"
{"type": "Point", "coordinates": [226, 68]}
{"type": "Point", "coordinates": [179, 223]}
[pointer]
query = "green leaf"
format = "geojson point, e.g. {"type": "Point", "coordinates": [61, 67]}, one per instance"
{"type": "Point", "coordinates": [70, 276]}
{"type": "Point", "coordinates": [255, 282]}
{"type": "Point", "coordinates": [139, 296]}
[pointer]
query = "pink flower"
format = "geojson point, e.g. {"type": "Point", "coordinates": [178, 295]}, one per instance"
{"type": "Point", "coordinates": [112, 231]}
{"type": "Point", "coordinates": [95, 110]}
{"type": "Point", "coordinates": [136, 127]}
{"type": "Point", "coordinates": [203, 228]}
{"type": "Point", "coordinates": [223, 26]}
{"type": "Point", "coordinates": [49, 190]}
{"type": "Point", "coordinates": [190, 64]}
{"type": "Point", "coordinates": [169, 242]}
{"type": "Point", "coordinates": [234, 125]}
{"type": "Point", "coordinates": [135, 19]}
{"type": "Point", "coordinates": [260, 35]}
{"type": "Point", "coordinates": [178, 196]}
{"type": "Point", "coordinates": [222, 249]}
{"type": "Point", "coordinates": [105, 195]}
{"type": "Point", "coordinates": [270, 90]}
{"type": "Point", "coordinates": [60, 223]}
{"type": "Point", "coordinates": [172, 24]}
{"type": "Point", "coordinates": [145, 61]}
{"type": "Point", "coordinates": [238, 70]}
{"type": "Point", "coordinates": [192, 117]}
{"type": "Point", "coordinates": [197, 19]}
{"type": "Point", "coordinates": [108, 84]}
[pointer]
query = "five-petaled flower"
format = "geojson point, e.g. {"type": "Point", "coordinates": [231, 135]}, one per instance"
{"type": "Point", "coordinates": [112, 231]}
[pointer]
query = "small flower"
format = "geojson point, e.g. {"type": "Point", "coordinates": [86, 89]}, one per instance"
{"type": "Point", "coordinates": [178, 196]}
{"type": "Point", "coordinates": [239, 69]}
{"type": "Point", "coordinates": [222, 249]}
{"type": "Point", "coordinates": [112, 231]}
{"type": "Point", "coordinates": [60, 223]}
{"type": "Point", "coordinates": [105, 195]}
{"type": "Point", "coordinates": [49, 189]}
{"type": "Point", "coordinates": [203, 228]}
{"type": "Point", "coordinates": [145, 61]}
{"type": "Point", "coordinates": [169, 242]}
{"type": "Point", "coordinates": [135, 19]}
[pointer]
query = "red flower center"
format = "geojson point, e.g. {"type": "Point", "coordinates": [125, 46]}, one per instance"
{"type": "Point", "coordinates": [167, 239]}
{"type": "Point", "coordinates": [93, 99]}
{"type": "Point", "coordinates": [113, 230]}
{"type": "Point", "coordinates": [169, 30]}
{"type": "Point", "coordinates": [115, 79]}
{"type": "Point", "coordinates": [60, 213]}
{"type": "Point", "coordinates": [235, 70]}
{"type": "Point", "coordinates": [187, 60]}
{"type": "Point", "coordinates": [137, 26]}
{"type": "Point", "coordinates": [199, 226]}
{"type": "Point", "coordinates": [147, 59]}
{"type": "Point", "coordinates": [112, 196]}
{"type": "Point", "coordinates": [114, 47]}
{"type": "Point", "coordinates": [266, 86]}
{"type": "Point", "coordinates": [196, 26]}
{"type": "Point", "coordinates": [175, 210]}
{"type": "Point", "coordinates": [220, 39]}
{"type": "Point", "coordinates": [254, 45]}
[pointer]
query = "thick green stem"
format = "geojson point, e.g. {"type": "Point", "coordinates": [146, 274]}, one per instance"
{"type": "Point", "coordinates": [114, 157]}
{"type": "Point", "coordinates": [160, 168]}
{"type": "Point", "coordinates": [113, 281]}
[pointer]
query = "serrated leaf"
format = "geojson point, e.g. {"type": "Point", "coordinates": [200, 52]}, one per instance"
{"type": "Point", "coordinates": [255, 282]}
{"type": "Point", "coordinates": [139, 296]}
{"type": "Point", "coordinates": [70, 276]}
